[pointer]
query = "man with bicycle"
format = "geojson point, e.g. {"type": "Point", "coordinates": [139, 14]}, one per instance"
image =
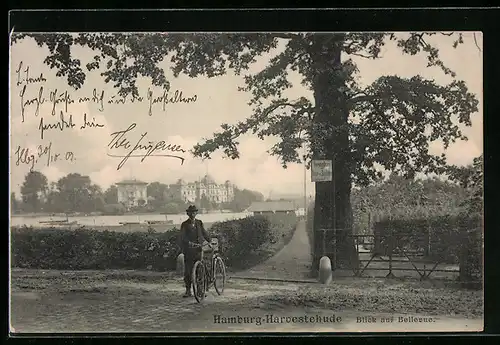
{"type": "Point", "coordinates": [193, 235]}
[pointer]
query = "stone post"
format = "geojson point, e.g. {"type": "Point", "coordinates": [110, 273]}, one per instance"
{"type": "Point", "coordinates": [180, 265]}
{"type": "Point", "coordinates": [325, 270]}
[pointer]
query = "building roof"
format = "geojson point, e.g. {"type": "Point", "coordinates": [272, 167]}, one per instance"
{"type": "Point", "coordinates": [264, 206]}
{"type": "Point", "coordinates": [285, 196]}
{"type": "Point", "coordinates": [134, 181]}
{"type": "Point", "coordinates": [298, 201]}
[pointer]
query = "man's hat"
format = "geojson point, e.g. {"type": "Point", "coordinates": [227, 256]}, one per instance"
{"type": "Point", "coordinates": [192, 208]}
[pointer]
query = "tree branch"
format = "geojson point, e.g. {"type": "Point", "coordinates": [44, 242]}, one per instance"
{"type": "Point", "coordinates": [361, 55]}
{"type": "Point", "coordinates": [365, 98]}
{"type": "Point", "coordinates": [388, 123]}
{"type": "Point", "coordinates": [226, 138]}
{"type": "Point", "coordinates": [349, 51]}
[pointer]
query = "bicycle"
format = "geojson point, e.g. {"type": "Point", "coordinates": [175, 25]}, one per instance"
{"type": "Point", "coordinates": [204, 277]}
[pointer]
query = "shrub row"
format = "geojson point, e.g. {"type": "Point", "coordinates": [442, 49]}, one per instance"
{"type": "Point", "coordinates": [449, 239]}
{"type": "Point", "coordinates": [310, 227]}
{"type": "Point", "coordinates": [439, 238]}
{"type": "Point", "coordinates": [444, 238]}
{"type": "Point", "coordinates": [242, 238]}
{"type": "Point", "coordinates": [91, 249]}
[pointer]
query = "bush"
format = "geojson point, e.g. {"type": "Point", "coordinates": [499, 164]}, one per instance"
{"type": "Point", "coordinates": [90, 249]}
{"type": "Point", "coordinates": [397, 233]}
{"type": "Point", "coordinates": [240, 239]}
{"type": "Point", "coordinates": [471, 250]}
{"type": "Point", "coordinates": [114, 209]}
{"type": "Point", "coordinates": [81, 249]}
{"type": "Point", "coordinates": [449, 239]}
{"type": "Point", "coordinates": [310, 226]}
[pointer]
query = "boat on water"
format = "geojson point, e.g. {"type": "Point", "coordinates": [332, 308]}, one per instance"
{"type": "Point", "coordinates": [58, 222]}
{"type": "Point", "coordinates": [159, 222]}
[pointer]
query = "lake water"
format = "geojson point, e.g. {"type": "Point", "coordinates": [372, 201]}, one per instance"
{"type": "Point", "coordinates": [34, 221]}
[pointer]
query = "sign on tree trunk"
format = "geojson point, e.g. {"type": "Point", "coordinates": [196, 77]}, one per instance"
{"type": "Point", "coordinates": [321, 170]}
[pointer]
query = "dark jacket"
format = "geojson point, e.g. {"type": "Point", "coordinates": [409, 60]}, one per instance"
{"type": "Point", "coordinates": [192, 233]}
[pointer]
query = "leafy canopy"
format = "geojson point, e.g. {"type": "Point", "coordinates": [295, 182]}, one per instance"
{"type": "Point", "coordinates": [33, 189]}
{"type": "Point", "coordinates": [470, 177]}
{"type": "Point", "coordinates": [391, 122]}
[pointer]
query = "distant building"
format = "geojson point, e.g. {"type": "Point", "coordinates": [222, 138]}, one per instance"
{"type": "Point", "coordinates": [298, 200]}
{"type": "Point", "coordinates": [301, 212]}
{"type": "Point", "coordinates": [271, 207]}
{"type": "Point", "coordinates": [132, 193]}
{"type": "Point", "coordinates": [194, 191]}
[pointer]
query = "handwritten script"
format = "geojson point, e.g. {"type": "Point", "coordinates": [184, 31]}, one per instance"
{"type": "Point", "coordinates": [43, 153]}
{"type": "Point", "coordinates": [65, 123]}
{"type": "Point", "coordinates": [56, 111]}
{"type": "Point", "coordinates": [141, 148]}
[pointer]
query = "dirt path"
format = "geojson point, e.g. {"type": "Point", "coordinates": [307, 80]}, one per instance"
{"type": "Point", "coordinates": [94, 303]}
{"type": "Point", "coordinates": [145, 302]}
{"type": "Point", "coordinates": [291, 262]}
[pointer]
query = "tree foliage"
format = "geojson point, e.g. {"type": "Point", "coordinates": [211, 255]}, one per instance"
{"type": "Point", "coordinates": [391, 122]}
{"type": "Point", "coordinates": [471, 178]}
{"type": "Point", "coordinates": [397, 197]}
{"type": "Point", "coordinates": [79, 194]}
{"type": "Point", "coordinates": [158, 195]}
{"type": "Point", "coordinates": [33, 191]}
{"type": "Point", "coordinates": [54, 202]}
{"type": "Point", "coordinates": [111, 195]}
{"type": "Point", "coordinates": [14, 203]}
{"type": "Point", "coordinates": [243, 198]}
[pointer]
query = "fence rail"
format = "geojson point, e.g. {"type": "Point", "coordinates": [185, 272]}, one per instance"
{"type": "Point", "coordinates": [398, 252]}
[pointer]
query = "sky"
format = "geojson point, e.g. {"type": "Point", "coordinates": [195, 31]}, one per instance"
{"type": "Point", "coordinates": [85, 150]}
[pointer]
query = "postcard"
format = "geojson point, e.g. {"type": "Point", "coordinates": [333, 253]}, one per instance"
{"type": "Point", "coordinates": [246, 182]}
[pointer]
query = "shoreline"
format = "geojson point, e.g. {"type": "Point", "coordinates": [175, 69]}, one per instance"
{"type": "Point", "coordinates": [58, 214]}
{"type": "Point", "coordinates": [41, 215]}
{"type": "Point", "coordinates": [115, 228]}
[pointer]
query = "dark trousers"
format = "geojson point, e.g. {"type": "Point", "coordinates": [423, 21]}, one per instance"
{"type": "Point", "coordinates": [189, 259]}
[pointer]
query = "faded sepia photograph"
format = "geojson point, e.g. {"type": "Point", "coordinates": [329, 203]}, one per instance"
{"type": "Point", "coordinates": [246, 182]}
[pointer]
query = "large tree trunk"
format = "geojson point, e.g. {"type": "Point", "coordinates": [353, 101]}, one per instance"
{"type": "Point", "coordinates": [330, 140]}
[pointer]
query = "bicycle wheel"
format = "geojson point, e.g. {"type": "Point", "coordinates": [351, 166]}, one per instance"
{"type": "Point", "coordinates": [219, 275]}
{"type": "Point", "coordinates": [198, 280]}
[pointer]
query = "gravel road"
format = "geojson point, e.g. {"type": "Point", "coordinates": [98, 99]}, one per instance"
{"type": "Point", "coordinates": [124, 301]}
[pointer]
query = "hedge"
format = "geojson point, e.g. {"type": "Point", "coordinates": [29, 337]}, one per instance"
{"type": "Point", "coordinates": [446, 239]}
{"type": "Point", "coordinates": [81, 249]}
{"type": "Point", "coordinates": [310, 227]}
{"type": "Point", "coordinates": [243, 241]}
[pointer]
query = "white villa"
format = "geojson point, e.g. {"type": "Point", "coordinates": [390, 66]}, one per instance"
{"type": "Point", "coordinates": [192, 191]}
{"type": "Point", "coordinates": [132, 192]}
